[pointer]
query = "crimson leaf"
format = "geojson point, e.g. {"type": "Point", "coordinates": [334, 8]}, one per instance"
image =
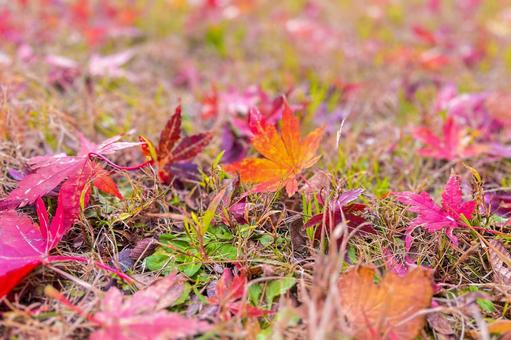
{"type": "Point", "coordinates": [170, 151]}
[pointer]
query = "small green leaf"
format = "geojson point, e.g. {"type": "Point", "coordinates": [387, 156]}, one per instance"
{"type": "Point", "coordinates": [352, 254]}
{"type": "Point", "coordinates": [486, 305]}
{"type": "Point", "coordinates": [217, 159]}
{"type": "Point", "coordinates": [266, 240]}
{"type": "Point", "coordinates": [220, 233]}
{"type": "Point", "coordinates": [190, 269]}
{"type": "Point", "coordinates": [211, 211]}
{"type": "Point", "coordinates": [187, 288]}
{"type": "Point", "coordinates": [222, 251]}
{"type": "Point", "coordinates": [160, 260]}
{"type": "Point", "coordinates": [278, 287]}
{"type": "Point", "coordinates": [254, 293]}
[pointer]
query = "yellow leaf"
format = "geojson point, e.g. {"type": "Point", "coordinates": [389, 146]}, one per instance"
{"type": "Point", "coordinates": [500, 327]}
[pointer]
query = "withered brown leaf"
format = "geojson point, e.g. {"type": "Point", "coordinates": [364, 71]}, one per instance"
{"type": "Point", "coordinates": [386, 309]}
{"type": "Point", "coordinates": [501, 270]}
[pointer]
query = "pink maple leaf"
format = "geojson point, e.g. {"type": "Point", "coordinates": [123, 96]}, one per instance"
{"type": "Point", "coordinates": [433, 217]}
{"type": "Point", "coordinates": [395, 265]}
{"type": "Point", "coordinates": [50, 171]}
{"type": "Point", "coordinates": [452, 144]}
{"type": "Point", "coordinates": [110, 65]}
{"type": "Point", "coordinates": [237, 106]}
{"type": "Point", "coordinates": [143, 315]}
{"type": "Point", "coordinates": [229, 292]}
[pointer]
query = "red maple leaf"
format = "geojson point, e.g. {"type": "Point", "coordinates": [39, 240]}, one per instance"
{"type": "Point", "coordinates": [25, 245]}
{"type": "Point", "coordinates": [424, 34]}
{"type": "Point", "coordinates": [452, 144]}
{"type": "Point", "coordinates": [229, 292]}
{"type": "Point", "coordinates": [50, 171]}
{"type": "Point", "coordinates": [433, 217]}
{"type": "Point", "coordinates": [171, 152]}
{"type": "Point", "coordinates": [143, 315]}
{"type": "Point", "coordinates": [340, 210]}
{"type": "Point", "coordinates": [210, 104]}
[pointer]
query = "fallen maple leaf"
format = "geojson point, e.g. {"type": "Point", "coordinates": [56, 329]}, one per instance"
{"type": "Point", "coordinates": [229, 291]}
{"type": "Point", "coordinates": [433, 217]}
{"type": "Point", "coordinates": [170, 152]}
{"type": "Point", "coordinates": [340, 210]}
{"type": "Point", "coordinates": [143, 315]}
{"type": "Point", "coordinates": [499, 259]}
{"type": "Point", "coordinates": [25, 245]}
{"type": "Point", "coordinates": [22, 248]}
{"type": "Point", "coordinates": [286, 154]}
{"type": "Point", "coordinates": [385, 310]}
{"type": "Point", "coordinates": [110, 65]}
{"type": "Point", "coordinates": [451, 145]}
{"type": "Point", "coordinates": [232, 102]}
{"type": "Point", "coordinates": [395, 265]}
{"type": "Point", "coordinates": [498, 203]}
{"type": "Point", "coordinates": [50, 171]}
{"type": "Point", "coordinates": [501, 327]}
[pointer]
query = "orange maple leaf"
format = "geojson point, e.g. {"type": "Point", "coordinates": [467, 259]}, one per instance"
{"type": "Point", "coordinates": [388, 309]}
{"type": "Point", "coordinates": [286, 154]}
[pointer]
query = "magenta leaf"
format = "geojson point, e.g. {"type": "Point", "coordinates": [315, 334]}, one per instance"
{"type": "Point", "coordinates": [24, 245]}
{"type": "Point", "coordinates": [347, 197]}
{"type": "Point", "coordinates": [433, 217]}
{"type": "Point", "coordinates": [21, 248]}
{"type": "Point", "coordinates": [393, 264]}
{"type": "Point", "coordinates": [143, 315]}
{"type": "Point", "coordinates": [452, 144]}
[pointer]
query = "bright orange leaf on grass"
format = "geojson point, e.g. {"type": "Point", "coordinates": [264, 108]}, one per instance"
{"type": "Point", "coordinates": [286, 154]}
{"type": "Point", "coordinates": [385, 310]}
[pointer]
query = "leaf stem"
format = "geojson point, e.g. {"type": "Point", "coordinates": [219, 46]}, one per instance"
{"type": "Point", "coordinates": [119, 167]}
{"type": "Point", "coordinates": [96, 263]}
